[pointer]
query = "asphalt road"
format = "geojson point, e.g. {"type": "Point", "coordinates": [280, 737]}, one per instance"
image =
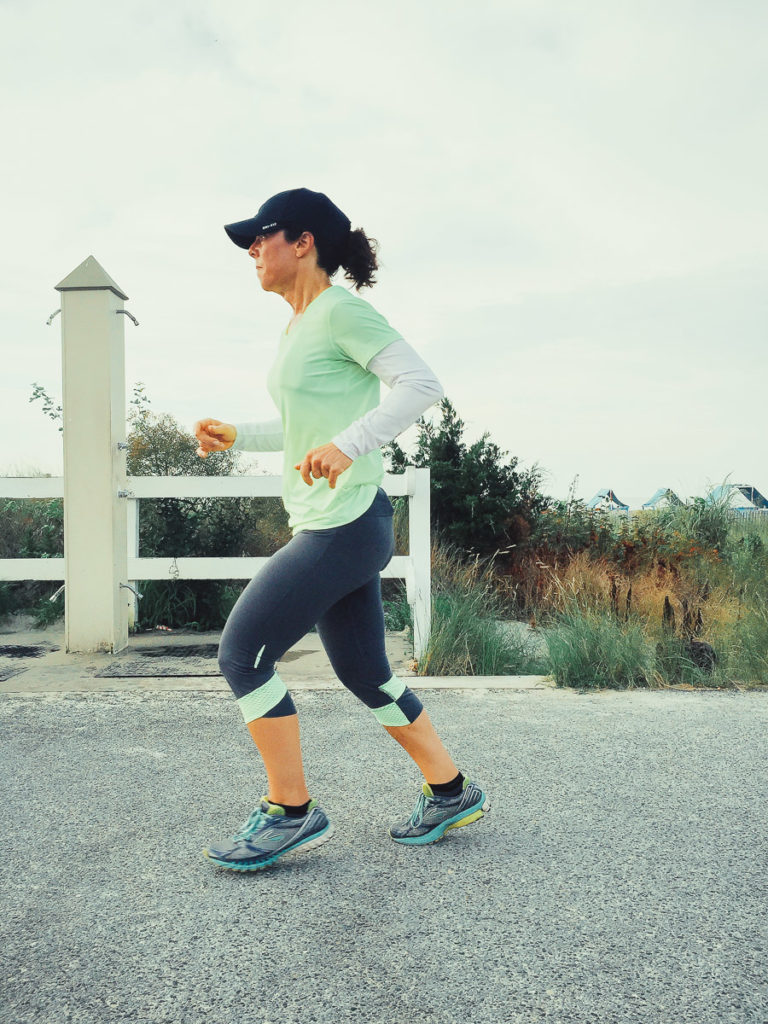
{"type": "Point", "coordinates": [619, 877]}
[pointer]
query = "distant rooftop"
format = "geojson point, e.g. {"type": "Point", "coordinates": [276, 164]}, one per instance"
{"type": "Point", "coordinates": [663, 497]}
{"type": "Point", "coordinates": [606, 500]}
{"type": "Point", "coordinates": [742, 497]}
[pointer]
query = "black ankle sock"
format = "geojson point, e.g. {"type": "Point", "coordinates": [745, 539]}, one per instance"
{"type": "Point", "coordinates": [452, 788]}
{"type": "Point", "coordinates": [295, 810]}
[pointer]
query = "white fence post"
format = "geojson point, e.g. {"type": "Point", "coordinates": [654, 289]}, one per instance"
{"type": "Point", "coordinates": [95, 518]}
{"type": "Point", "coordinates": [133, 552]}
{"type": "Point", "coordinates": [419, 579]}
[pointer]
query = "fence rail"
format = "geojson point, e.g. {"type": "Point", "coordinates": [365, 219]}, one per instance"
{"type": "Point", "coordinates": [414, 567]}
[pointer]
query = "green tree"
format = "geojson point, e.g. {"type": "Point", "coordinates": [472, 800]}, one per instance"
{"type": "Point", "coordinates": [478, 502]}
{"type": "Point", "coordinates": [194, 527]}
{"type": "Point", "coordinates": [159, 446]}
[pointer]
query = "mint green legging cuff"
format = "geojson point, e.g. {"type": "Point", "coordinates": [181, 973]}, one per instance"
{"type": "Point", "coordinates": [264, 698]}
{"type": "Point", "coordinates": [404, 706]}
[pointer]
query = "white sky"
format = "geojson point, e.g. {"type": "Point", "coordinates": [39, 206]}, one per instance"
{"type": "Point", "coordinates": [570, 201]}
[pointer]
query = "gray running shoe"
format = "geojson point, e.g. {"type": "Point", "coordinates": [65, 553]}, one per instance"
{"type": "Point", "coordinates": [435, 814]}
{"type": "Point", "coordinates": [268, 834]}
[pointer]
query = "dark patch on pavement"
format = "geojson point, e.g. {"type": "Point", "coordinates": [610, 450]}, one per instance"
{"type": "Point", "coordinates": [22, 651]}
{"type": "Point", "coordinates": [181, 651]}
{"type": "Point", "coordinates": [168, 662]}
{"type": "Point", "coordinates": [136, 668]}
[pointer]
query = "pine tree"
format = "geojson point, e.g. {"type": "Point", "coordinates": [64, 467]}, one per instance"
{"type": "Point", "coordinates": [478, 502]}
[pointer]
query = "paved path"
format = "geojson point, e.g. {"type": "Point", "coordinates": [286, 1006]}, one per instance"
{"type": "Point", "coordinates": [620, 876]}
{"type": "Point", "coordinates": [36, 661]}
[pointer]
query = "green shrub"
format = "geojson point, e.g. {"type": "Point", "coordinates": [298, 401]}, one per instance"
{"type": "Point", "coordinates": [397, 611]}
{"type": "Point", "coordinates": [705, 522]}
{"type": "Point", "coordinates": [46, 612]}
{"type": "Point", "coordinates": [567, 527]}
{"type": "Point", "coordinates": [591, 650]}
{"type": "Point", "coordinates": [7, 600]}
{"type": "Point", "coordinates": [32, 528]}
{"type": "Point", "coordinates": [466, 637]}
{"type": "Point", "coordinates": [743, 645]}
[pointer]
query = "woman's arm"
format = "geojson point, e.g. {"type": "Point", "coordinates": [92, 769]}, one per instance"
{"type": "Point", "coordinates": [266, 436]}
{"type": "Point", "coordinates": [414, 389]}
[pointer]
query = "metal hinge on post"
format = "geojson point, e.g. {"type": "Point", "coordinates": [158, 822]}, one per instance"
{"type": "Point", "coordinates": [124, 312]}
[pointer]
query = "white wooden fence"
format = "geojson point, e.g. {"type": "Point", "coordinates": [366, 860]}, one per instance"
{"type": "Point", "coordinates": [414, 567]}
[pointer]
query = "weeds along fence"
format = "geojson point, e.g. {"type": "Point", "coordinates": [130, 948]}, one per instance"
{"type": "Point", "coordinates": [414, 568]}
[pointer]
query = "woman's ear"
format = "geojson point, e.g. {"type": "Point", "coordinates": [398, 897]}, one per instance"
{"type": "Point", "coordinates": [304, 243]}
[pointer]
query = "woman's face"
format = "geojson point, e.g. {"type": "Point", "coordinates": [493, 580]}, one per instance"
{"type": "Point", "coordinates": [276, 261]}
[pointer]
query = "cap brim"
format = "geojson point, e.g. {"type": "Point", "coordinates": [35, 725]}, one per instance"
{"type": "Point", "coordinates": [244, 232]}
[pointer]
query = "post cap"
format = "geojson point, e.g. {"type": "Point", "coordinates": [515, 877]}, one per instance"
{"type": "Point", "coordinates": [89, 276]}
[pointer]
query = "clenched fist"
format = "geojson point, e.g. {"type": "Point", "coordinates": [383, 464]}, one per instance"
{"type": "Point", "coordinates": [213, 436]}
{"type": "Point", "coordinates": [328, 461]}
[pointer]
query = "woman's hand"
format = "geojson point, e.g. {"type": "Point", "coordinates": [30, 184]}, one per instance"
{"type": "Point", "coordinates": [214, 436]}
{"type": "Point", "coordinates": [327, 460]}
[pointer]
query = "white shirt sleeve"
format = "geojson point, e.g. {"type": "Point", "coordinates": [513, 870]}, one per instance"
{"type": "Point", "coordinates": [266, 436]}
{"type": "Point", "coordinates": [414, 389]}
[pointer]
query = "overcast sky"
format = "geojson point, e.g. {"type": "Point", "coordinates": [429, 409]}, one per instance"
{"type": "Point", "coordinates": [570, 200]}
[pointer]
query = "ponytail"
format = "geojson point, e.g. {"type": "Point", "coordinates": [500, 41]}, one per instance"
{"type": "Point", "coordinates": [356, 254]}
{"type": "Point", "coordinates": [358, 259]}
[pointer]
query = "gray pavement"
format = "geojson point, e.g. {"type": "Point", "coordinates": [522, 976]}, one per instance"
{"type": "Point", "coordinates": [619, 877]}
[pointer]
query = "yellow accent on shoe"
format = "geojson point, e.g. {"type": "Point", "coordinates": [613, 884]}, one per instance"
{"type": "Point", "coordinates": [465, 821]}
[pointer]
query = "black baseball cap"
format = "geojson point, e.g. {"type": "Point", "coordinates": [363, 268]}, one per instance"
{"type": "Point", "coordinates": [299, 209]}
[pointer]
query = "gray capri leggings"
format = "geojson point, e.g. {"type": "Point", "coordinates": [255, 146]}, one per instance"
{"type": "Point", "coordinates": [328, 578]}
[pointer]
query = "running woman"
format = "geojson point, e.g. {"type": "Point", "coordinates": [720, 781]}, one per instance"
{"type": "Point", "coordinates": [325, 383]}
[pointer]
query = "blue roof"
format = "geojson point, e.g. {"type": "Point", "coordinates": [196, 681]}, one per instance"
{"type": "Point", "coordinates": [753, 497]}
{"type": "Point", "coordinates": [662, 493]}
{"type": "Point", "coordinates": [607, 496]}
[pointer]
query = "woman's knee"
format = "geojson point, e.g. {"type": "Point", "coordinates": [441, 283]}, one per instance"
{"type": "Point", "coordinates": [234, 668]}
{"type": "Point", "coordinates": [242, 671]}
{"type": "Point", "coordinates": [259, 690]}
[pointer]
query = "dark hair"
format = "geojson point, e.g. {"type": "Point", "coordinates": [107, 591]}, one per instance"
{"type": "Point", "coordinates": [357, 255]}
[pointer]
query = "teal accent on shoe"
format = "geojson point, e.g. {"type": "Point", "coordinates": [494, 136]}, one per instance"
{"type": "Point", "coordinates": [261, 700]}
{"type": "Point", "coordinates": [268, 834]}
{"type": "Point", "coordinates": [439, 831]}
{"type": "Point", "coordinates": [326, 833]}
{"type": "Point", "coordinates": [427, 823]}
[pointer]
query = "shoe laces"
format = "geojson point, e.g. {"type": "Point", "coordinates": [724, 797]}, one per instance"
{"type": "Point", "coordinates": [256, 819]}
{"type": "Point", "coordinates": [418, 812]}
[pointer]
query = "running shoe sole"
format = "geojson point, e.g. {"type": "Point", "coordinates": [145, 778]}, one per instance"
{"type": "Point", "coordinates": [462, 818]}
{"type": "Point", "coordinates": [258, 863]}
